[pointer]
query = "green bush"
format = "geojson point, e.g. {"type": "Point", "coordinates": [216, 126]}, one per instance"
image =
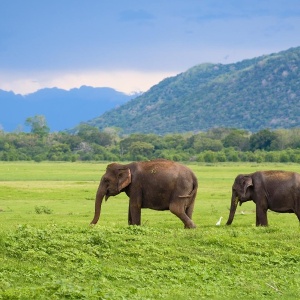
{"type": "Point", "coordinates": [43, 210]}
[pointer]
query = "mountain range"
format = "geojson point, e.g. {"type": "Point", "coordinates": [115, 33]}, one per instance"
{"type": "Point", "coordinates": [253, 94]}
{"type": "Point", "coordinates": [258, 93]}
{"type": "Point", "coordinates": [62, 109]}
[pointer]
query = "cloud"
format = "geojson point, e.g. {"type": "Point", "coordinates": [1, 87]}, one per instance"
{"type": "Point", "coordinates": [123, 81]}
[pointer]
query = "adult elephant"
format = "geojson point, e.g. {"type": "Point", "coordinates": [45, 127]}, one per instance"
{"type": "Point", "coordinates": [278, 191]}
{"type": "Point", "coordinates": [158, 184]}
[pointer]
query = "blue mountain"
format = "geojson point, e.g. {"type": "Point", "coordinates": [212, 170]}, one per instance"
{"type": "Point", "coordinates": [62, 109]}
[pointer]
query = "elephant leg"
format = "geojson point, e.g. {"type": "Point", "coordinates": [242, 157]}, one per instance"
{"type": "Point", "coordinates": [134, 215]}
{"type": "Point", "coordinates": [189, 210]}
{"type": "Point", "coordinates": [178, 211]}
{"type": "Point", "coordinates": [261, 216]}
{"type": "Point", "coordinates": [129, 216]}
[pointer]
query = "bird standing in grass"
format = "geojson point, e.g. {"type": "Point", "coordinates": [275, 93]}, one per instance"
{"type": "Point", "coordinates": [219, 222]}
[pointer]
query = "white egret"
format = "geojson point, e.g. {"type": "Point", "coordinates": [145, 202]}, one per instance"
{"type": "Point", "coordinates": [219, 222]}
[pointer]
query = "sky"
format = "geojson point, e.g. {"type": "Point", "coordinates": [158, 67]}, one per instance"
{"type": "Point", "coordinates": [131, 45]}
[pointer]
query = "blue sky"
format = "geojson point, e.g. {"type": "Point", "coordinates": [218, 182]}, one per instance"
{"type": "Point", "coordinates": [130, 45]}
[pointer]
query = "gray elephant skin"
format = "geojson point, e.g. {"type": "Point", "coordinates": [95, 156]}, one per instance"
{"type": "Point", "coordinates": [278, 191]}
{"type": "Point", "coordinates": [158, 184]}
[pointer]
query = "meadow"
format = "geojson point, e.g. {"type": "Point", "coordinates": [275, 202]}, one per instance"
{"type": "Point", "coordinates": [49, 251]}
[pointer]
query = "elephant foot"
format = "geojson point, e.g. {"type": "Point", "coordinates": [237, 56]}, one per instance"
{"type": "Point", "coordinates": [190, 225]}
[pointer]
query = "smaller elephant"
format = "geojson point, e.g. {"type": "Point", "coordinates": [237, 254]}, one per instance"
{"type": "Point", "coordinates": [158, 184]}
{"type": "Point", "coordinates": [278, 191]}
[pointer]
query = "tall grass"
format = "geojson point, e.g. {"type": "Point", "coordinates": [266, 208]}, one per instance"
{"type": "Point", "coordinates": [49, 251]}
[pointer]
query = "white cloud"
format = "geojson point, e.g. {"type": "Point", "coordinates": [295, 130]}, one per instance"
{"type": "Point", "coordinates": [123, 81]}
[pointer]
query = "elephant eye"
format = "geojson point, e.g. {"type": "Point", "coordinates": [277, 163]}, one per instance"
{"type": "Point", "coordinates": [120, 175]}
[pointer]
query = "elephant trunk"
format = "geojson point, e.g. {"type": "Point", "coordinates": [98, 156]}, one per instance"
{"type": "Point", "coordinates": [98, 202]}
{"type": "Point", "coordinates": [234, 203]}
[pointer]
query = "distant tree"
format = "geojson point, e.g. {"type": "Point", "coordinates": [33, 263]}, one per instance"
{"type": "Point", "coordinates": [38, 125]}
{"type": "Point", "coordinates": [295, 138]}
{"type": "Point", "coordinates": [200, 142]}
{"type": "Point", "coordinates": [92, 135]}
{"type": "Point", "coordinates": [262, 140]}
{"type": "Point", "coordinates": [239, 139]}
{"type": "Point", "coordinates": [126, 143]}
{"type": "Point", "coordinates": [209, 156]}
{"type": "Point", "coordinates": [284, 157]}
{"type": "Point", "coordinates": [175, 141]}
{"type": "Point", "coordinates": [208, 144]}
{"type": "Point", "coordinates": [59, 151]}
{"type": "Point", "coordinates": [286, 138]}
{"type": "Point", "coordinates": [271, 156]}
{"type": "Point", "coordinates": [231, 154]}
{"type": "Point", "coordinates": [73, 140]}
{"type": "Point", "coordinates": [218, 133]}
{"type": "Point", "coordinates": [141, 150]}
{"type": "Point", "coordinates": [114, 132]}
{"type": "Point", "coordinates": [220, 156]}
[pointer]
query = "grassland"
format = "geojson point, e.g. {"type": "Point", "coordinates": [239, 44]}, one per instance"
{"type": "Point", "coordinates": [49, 251]}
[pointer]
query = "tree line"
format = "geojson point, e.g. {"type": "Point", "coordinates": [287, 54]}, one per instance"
{"type": "Point", "coordinates": [91, 144]}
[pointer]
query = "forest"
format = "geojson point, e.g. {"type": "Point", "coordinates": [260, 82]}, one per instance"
{"type": "Point", "coordinates": [91, 144]}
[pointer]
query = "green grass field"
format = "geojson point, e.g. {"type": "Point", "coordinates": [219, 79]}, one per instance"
{"type": "Point", "coordinates": [49, 251]}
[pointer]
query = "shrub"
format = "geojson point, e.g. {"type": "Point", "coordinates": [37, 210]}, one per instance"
{"type": "Point", "coordinates": [43, 210]}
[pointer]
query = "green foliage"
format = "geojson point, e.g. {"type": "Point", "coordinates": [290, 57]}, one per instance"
{"type": "Point", "coordinates": [131, 263]}
{"type": "Point", "coordinates": [238, 139]}
{"type": "Point", "coordinates": [43, 210]}
{"type": "Point", "coordinates": [38, 125]}
{"type": "Point", "coordinates": [262, 140]}
{"type": "Point", "coordinates": [93, 135]}
{"type": "Point", "coordinates": [216, 145]}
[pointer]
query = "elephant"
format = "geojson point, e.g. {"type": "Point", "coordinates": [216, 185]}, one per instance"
{"type": "Point", "coordinates": [156, 184]}
{"type": "Point", "coordinates": [278, 191]}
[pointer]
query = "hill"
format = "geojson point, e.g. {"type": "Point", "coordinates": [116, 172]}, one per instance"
{"type": "Point", "coordinates": [62, 109]}
{"type": "Point", "coordinates": [253, 94]}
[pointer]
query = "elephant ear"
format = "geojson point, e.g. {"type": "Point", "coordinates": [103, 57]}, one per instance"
{"type": "Point", "coordinates": [246, 183]}
{"type": "Point", "coordinates": [124, 178]}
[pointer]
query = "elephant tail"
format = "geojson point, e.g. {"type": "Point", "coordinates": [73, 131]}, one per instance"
{"type": "Point", "coordinates": [193, 193]}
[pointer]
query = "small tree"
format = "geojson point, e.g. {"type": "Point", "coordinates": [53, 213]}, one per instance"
{"type": "Point", "coordinates": [141, 150]}
{"type": "Point", "coordinates": [262, 140]}
{"type": "Point", "coordinates": [239, 139]}
{"type": "Point", "coordinates": [38, 125]}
